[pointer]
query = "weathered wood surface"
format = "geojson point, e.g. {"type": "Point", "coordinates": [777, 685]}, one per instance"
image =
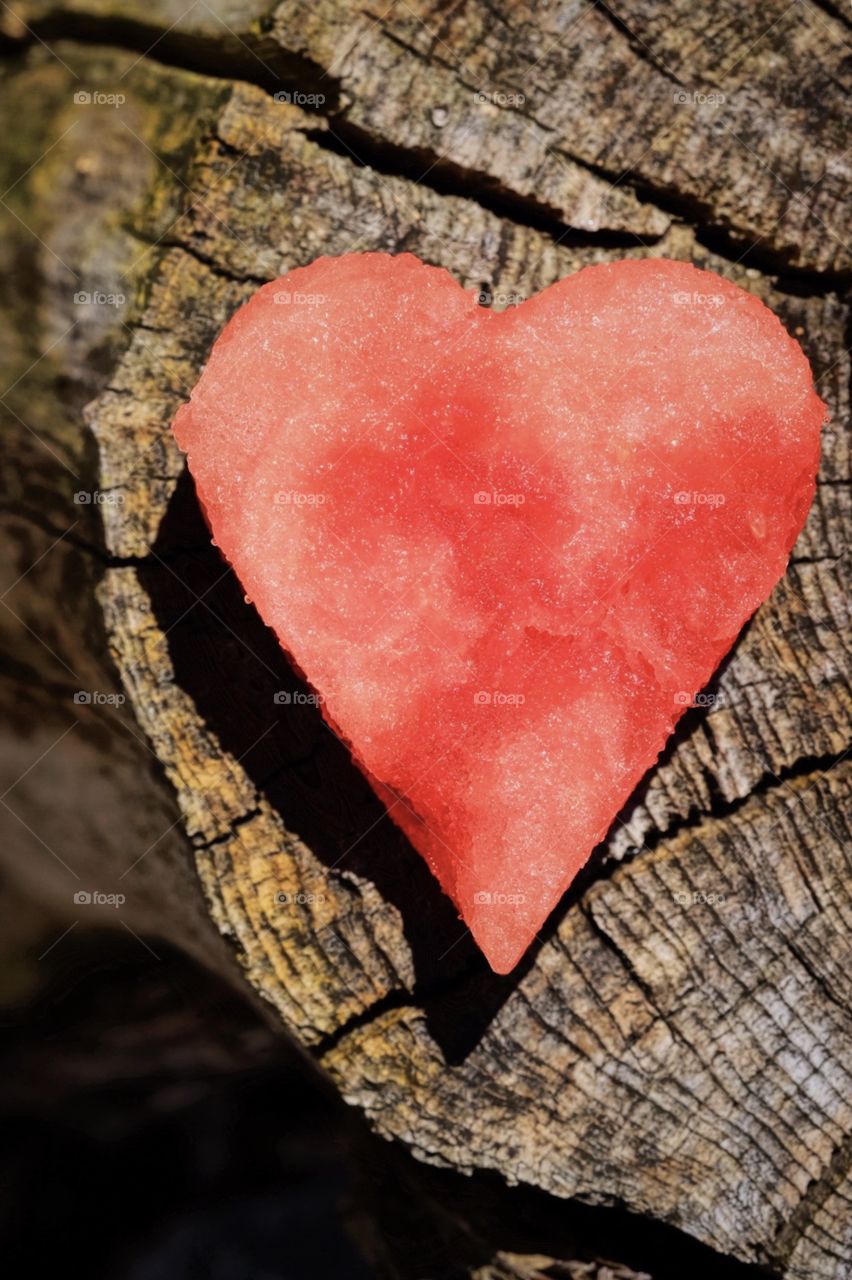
{"type": "Point", "coordinates": [681, 1042]}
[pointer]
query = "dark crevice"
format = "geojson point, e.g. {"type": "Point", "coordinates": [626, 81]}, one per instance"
{"type": "Point", "coordinates": [234, 825]}
{"type": "Point", "coordinates": [789, 277]}
{"type": "Point", "coordinates": [720, 807]}
{"type": "Point", "coordinates": [741, 249]}
{"type": "Point", "coordinates": [819, 979]}
{"type": "Point", "coordinates": [397, 999]}
{"type": "Point", "coordinates": [216, 268]}
{"type": "Point", "coordinates": [826, 559]}
{"type": "Point", "coordinates": [141, 325]}
{"type": "Point", "coordinates": [608, 942]}
{"type": "Point", "coordinates": [446, 178]}
{"type": "Point", "coordinates": [641, 50]}
{"type": "Point", "coordinates": [431, 59]}
{"type": "Point", "coordinates": [718, 801]}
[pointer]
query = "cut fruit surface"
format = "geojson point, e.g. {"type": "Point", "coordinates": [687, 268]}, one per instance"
{"type": "Point", "coordinates": [505, 549]}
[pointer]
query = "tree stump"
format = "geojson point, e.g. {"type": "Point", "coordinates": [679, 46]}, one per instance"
{"type": "Point", "coordinates": [681, 1042]}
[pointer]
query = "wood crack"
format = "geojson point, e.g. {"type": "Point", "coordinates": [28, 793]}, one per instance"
{"type": "Point", "coordinates": [215, 268]}
{"type": "Point", "coordinates": [637, 47]}
{"type": "Point", "coordinates": [234, 825]}
{"type": "Point", "coordinates": [447, 178]}
{"type": "Point", "coordinates": [779, 1253]}
{"type": "Point", "coordinates": [396, 999]}
{"type": "Point", "coordinates": [720, 809]}
{"type": "Point", "coordinates": [287, 68]}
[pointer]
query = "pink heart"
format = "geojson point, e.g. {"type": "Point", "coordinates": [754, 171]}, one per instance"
{"type": "Point", "coordinates": [505, 549]}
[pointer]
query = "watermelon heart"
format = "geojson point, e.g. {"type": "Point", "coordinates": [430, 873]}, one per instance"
{"type": "Point", "coordinates": [505, 549]}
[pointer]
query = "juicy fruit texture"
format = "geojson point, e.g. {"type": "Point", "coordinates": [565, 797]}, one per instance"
{"type": "Point", "coordinates": [506, 549]}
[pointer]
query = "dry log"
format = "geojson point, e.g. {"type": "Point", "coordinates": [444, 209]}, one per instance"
{"type": "Point", "coordinates": [681, 1042]}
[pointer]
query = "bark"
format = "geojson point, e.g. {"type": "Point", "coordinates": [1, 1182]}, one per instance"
{"type": "Point", "coordinates": [681, 1042]}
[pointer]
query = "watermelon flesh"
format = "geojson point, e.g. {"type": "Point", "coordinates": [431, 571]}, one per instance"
{"type": "Point", "coordinates": [505, 549]}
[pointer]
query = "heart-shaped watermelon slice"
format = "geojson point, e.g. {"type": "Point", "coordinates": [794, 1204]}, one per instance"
{"type": "Point", "coordinates": [505, 549]}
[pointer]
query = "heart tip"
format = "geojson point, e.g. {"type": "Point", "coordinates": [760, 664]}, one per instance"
{"type": "Point", "coordinates": [503, 957]}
